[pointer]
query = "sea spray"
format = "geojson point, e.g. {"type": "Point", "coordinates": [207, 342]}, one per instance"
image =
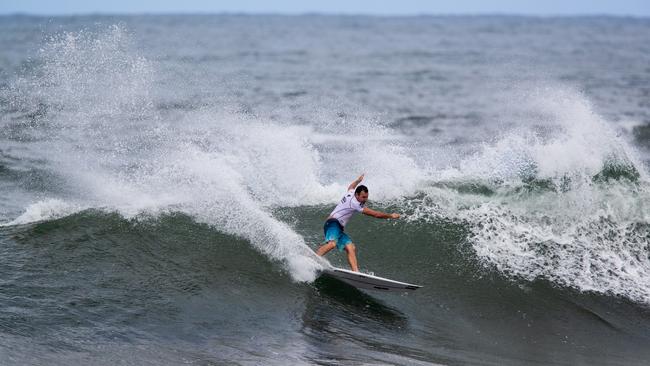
{"type": "Point", "coordinates": [114, 151]}
{"type": "Point", "coordinates": [95, 91]}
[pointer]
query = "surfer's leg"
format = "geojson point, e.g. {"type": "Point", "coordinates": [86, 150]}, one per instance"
{"type": "Point", "coordinates": [326, 248]}
{"type": "Point", "coordinates": [352, 256]}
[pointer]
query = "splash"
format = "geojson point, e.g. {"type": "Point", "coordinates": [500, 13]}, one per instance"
{"type": "Point", "coordinates": [101, 133]}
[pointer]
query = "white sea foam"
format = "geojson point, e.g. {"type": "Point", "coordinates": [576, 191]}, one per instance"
{"type": "Point", "coordinates": [549, 215]}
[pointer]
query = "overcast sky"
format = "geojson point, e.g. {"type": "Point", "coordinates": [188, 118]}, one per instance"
{"type": "Point", "coordinates": [379, 7]}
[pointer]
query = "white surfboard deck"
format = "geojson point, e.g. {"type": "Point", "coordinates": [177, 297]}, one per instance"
{"type": "Point", "coordinates": [368, 281]}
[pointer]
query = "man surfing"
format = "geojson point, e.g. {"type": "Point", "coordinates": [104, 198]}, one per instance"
{"type": "Point", "coordinates": [353, 202]}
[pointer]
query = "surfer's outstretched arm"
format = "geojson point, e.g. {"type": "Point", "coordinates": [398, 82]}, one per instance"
{"type": "Point", "coordinates": [354, 184]}
{"type": "Point", "coordinates": [379, 214]}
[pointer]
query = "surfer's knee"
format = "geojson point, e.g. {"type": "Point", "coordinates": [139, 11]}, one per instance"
{"type": "Point", "coordinates": [350, 248]}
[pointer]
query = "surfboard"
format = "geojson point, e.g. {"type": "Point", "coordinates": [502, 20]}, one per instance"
{"type": "Point", "coordinates": [368, 281]}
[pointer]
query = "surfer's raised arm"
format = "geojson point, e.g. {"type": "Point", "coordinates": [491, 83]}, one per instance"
{"type": "Point", "coordinates": [379, 214]}
{"type": "Point", "coordinates": [354, 184]}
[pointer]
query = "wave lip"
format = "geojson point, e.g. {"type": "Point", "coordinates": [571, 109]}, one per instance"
{"type": "Point", "coordinates": [48, 209]}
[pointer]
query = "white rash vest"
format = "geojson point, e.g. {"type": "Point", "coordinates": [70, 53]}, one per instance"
{"type": "Point", "coordinates": [346, 208]}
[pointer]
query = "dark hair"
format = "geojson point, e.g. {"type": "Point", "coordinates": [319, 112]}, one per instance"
{"type": "Point", "coordinates": [360, 189]}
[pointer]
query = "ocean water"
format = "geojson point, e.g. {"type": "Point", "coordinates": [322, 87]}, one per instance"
{"type": "Point", "coordinates": [164, 179]}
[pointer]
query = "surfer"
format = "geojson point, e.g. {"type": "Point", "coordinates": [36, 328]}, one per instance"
{"type": "Point", "coordinates": [353, 201]}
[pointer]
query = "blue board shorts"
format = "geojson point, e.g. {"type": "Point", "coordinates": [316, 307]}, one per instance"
{"type": "Point", "coordinates": [334, 231]}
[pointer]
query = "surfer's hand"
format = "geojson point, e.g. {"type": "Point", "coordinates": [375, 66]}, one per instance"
{"type": "Point", "coordinates": [394, 216]}
{"type": "Point", "coordinates": [354, 184]}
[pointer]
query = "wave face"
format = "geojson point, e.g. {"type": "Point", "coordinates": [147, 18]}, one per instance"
{"type": "Point", "coordinates": [162, 195]}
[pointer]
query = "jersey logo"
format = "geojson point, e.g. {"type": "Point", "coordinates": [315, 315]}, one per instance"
{"type": "Point", "coordinates": [343, 200]}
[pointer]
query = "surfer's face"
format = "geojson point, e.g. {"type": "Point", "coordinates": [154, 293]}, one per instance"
{"type": "Point", "coordinates": [362, 197]}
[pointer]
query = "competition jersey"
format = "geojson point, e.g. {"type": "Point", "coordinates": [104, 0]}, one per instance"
{"type": "Point", "coordinates": [346, 208]}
